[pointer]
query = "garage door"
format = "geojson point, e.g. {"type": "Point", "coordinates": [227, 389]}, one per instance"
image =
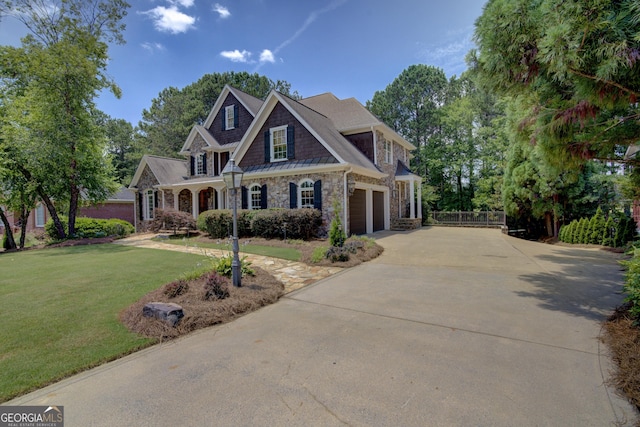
{"type": "Point", "coordinates": [358, 212]}
{"type": "Point", "coordinates": [378, 210]}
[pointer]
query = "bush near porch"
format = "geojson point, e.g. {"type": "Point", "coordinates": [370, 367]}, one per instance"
{"type": "Point", "coordinates": [302, 224]}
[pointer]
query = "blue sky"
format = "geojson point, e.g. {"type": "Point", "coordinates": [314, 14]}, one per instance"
{"type": "Point", "coordinates": [351, 48]}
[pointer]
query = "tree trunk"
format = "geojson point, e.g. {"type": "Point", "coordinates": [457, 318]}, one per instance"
{"type": "Point", "coordinates": [61, 235]}
{"type": "Point", "coordinates": [548, 222]}
{"type": "Point", "coordinates": [11, 243]}
{"type": "Point", "coordinates": [24, 217]}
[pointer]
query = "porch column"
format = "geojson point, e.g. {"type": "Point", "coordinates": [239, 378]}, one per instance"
{"type": "Point", "coordinates": [219, 195]}
{"type": "Point", "coordinates": [194, 203]}
{"type": "Point", "coordinates": [176, 202]}
{"type": "Point", "coordinates": [412, 200]}
{"type": "Point", "coordinates": [420, 199]}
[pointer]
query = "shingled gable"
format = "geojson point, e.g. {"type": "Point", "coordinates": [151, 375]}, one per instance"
{"type": "Point", "coordinates": [321, 127]}
{"type": "Point", "coordinates": [166, 170]}
{"type": "Point", "coordinates": [350, 116]}
{"type": "Point", "coordinates": [250, 103]}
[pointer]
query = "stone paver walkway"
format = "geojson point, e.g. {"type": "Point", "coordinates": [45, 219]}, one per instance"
{"type": "Point", "coordinates": [294, 275]}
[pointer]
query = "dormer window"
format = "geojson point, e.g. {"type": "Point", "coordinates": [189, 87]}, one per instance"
{"type": "Point", "coordinates": [199, 164]}
{"type": "Point", "coordinates": [230, 117]}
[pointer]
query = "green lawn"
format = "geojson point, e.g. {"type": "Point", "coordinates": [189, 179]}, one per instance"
{"type": "Point", "coordinates": [60, 308]}
{"type": "Point", "coordinates": [290, 254]}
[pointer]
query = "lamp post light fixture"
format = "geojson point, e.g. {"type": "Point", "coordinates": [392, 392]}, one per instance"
{"type": "Point", "coordinates": [232, 175]}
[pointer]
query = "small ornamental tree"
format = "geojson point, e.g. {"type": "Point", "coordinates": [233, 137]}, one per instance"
{"type": "Point", "coordinates": [582, 230]}
{"type": "Point", "coordinates": [337, 235]}
{"type": "Point", "coordinates": [596, 227]}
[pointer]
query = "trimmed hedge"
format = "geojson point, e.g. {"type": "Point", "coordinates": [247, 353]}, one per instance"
{"type": "Point", "coordinates": [302, 223]}
{"type": "Point", "coordinates": [92, 227]}
{"type": "Point", "coordinates": [270, 224]}
{"type": "Point", "coordinates": [219, 223]}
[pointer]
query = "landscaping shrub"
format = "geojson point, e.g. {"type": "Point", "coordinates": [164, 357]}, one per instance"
{"type": "Point", "coordinates": [337, 254]}
{"type": "Point", "coordinates": [176, 288]}
{"type": "Point", "coordinates": [632, 283]}
{"type": "Point", "coordinates": [92, 227]}
{"type": "Point", "coordinates": [337, 235]}
{"type": "Point", "coordinates": [219, 223]}
{"type": "Point", "coordinates": [223, 266]}
{"type": "Point", "coordinates": [215, 287]}
{"type": "Point", "coordinates": [294, 223]}
{"type": "Point", "coordinates": [171, 219]}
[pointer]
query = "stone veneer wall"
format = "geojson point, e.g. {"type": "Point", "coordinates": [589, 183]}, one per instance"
{"type": "Point", "coordinates": [168, 199]}
{"type": "Point", "coordinates": [184, 201]}
{"type": "Point", "coordinates": [278, 191]}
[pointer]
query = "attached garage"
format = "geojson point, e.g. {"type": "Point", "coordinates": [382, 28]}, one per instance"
{"type": "Point", "coordinates": [358, 212]}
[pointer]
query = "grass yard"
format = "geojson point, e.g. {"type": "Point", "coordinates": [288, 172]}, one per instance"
{"type": "Point", "coordinates": [60, 308]}
{"type": "Point", "coordinates": [288, 253]}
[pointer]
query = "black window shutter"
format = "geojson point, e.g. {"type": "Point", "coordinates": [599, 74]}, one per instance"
{"type": "Point", "coordinates": [235, 116]}
{"type": "Point", "coordinates": [223, 116]}
{"type": "Point", "coordinates": [193, 165]}
{"type": "Point", "coordinates": [244, 204]}
{"type": "Point", "coordinates": [141, 205]}
{"type": "Point", "coordinates": [317, 195]}
{"type": "Point", "coordinates": [204, 163]}
{"type": "Point", "coordinates": [155, 199]}
{"type": "Point", "coordinates": [291, 152]}
{"type": "Point", "coordinates": [263, 197]}
{"type": "Point", "coordinates": [216, 165]}
{"type": "Point", "coordinates": [293, 195]}
{"type": "Point", "coordinates": [267, 146]}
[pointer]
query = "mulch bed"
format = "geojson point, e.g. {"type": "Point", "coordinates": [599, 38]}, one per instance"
{"type": "Point", "coordinates": [622, 336]}
{"type": "Point", "coordinates": [255, 292]}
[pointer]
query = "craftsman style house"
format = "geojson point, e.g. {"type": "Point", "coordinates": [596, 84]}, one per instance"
{"type": "Point", "coordinates": [318, 152]}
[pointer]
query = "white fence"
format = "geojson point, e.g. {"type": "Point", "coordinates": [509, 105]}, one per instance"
{"type": "Point", "coordinates": [469, 219]}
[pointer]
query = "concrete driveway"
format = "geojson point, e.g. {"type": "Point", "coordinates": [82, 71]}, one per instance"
{"type": "Point", "coordinates": [449, 327]}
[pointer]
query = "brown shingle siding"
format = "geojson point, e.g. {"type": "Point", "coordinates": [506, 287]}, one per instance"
{"type": "Point", "coordinates": [232, 135]}
{"type": "Point", "coordinates": [306, 145]}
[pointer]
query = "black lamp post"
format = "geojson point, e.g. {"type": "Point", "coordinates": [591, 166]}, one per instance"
{"type": "Point", "coordinates": [232, 175]}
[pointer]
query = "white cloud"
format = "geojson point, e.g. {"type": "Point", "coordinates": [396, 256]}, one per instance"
{"type": "Point", "coordinates": [223, 11]}
{"type": "Point", "coordinates": [267, 56]}
{"type": "Point", "coordinates": [170, 19]}
{"type": "Point", "coordinates": [236, 55]}
{"type": "Point", "coordinates": [183, 3]}
{"type": "Point", "coordinates": [153, 47]}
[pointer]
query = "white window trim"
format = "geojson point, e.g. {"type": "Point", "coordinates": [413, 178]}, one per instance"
{"type": "Point", "coordinates": [148, 205]}
{"type": "Point", "coordinates": [272, 145]}
{"type": "Point", "coordinates": [40, 207]}
{"type": "Point", "coordinates": [300, 189]}
{"type": "Point", "coordinates": [251, 193]}
{"type": "Point", "coordinates": [199, 164]}
{"type": "Point", "coordinates": [229, 116]}
{"type": "Point", "coordinates": [388, 151]}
